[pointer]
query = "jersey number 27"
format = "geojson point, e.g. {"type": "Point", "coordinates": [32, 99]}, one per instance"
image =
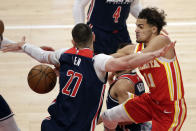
{"type": "Point", "coordinates": [72, 75]}
{"type": "Point", "coordinates": [116, 14]}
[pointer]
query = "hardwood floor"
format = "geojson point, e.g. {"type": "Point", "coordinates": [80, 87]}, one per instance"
{"type": "Point", "coordinates": [49, 23]}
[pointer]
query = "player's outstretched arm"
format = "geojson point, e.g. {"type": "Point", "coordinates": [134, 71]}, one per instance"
{"type": "Point", "coordinates": [10, 47]}
{"type": "Point", "coordinates": [49, 57]}
{"type": "Point", "coordinates": [127, 50]}
{"type": "Point", "coordinates": [134, 60]}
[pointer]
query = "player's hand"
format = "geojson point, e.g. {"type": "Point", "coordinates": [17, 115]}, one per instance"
{"type": "Point", "coordinates": [10, 47]}
{"type": "Point", "coordinates": [47, 48]}
{"type": "Point", "coordinates": [163, 51]}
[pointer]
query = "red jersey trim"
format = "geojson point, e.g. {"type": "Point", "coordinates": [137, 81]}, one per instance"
{"type": "Point", "coordinates": [131, 77]}
{"type": "Point", "coordinates": [94, 121]}
{"type": "Point", "coordinates": [179, 116]}
{"type": "Point", "coordinates": [174, 78]}
{"type": "Point", "coordinates": [86, 52]}
{"type": "Point", "coordinates": [128, 113]}
{"type": "Point", "coordinates": [139, 47]}
{"type": "Point", "coordinates": [91, 9]}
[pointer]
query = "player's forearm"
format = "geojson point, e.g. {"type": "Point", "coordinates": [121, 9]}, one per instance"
{"type": "Point", "coordinates": [118, 54]}
{"type": "Point", "coordinates": [8, 41]}
{"type": "Point", "coordinates": [140, 59]}
{"type": "Point", "coordinates": [127, 50]}
{"type": "Point", "coordinates": [37, 53]}
{"type": "Point", "coordinates": [79, 11]}
{"type": "Point", "coordinates": [113, 116]}
{"type": "Point", "coordinates": [135, 8]}
{"type": "Point", "coordinates": [130, 61]}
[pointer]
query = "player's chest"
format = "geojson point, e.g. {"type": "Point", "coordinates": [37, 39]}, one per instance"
{"type": "Point", "coordinates": [150, 65]}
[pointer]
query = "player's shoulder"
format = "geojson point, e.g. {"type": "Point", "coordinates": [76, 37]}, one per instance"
{"type": "Point", "coordinates": [164, 38]}
{"type": "Point", "coordinates": [101, 56]}
{"type": "Point", "coordinates": [100, 60]}
{"type": "Point", "coordinates": [127, 49]}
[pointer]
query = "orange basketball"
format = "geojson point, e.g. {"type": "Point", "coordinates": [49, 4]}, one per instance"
{"type": "Point", "coordinates": [42, 79]}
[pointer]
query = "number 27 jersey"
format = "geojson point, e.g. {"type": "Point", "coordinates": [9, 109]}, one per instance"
{"type": "Point", "coordinates": [80, 99]}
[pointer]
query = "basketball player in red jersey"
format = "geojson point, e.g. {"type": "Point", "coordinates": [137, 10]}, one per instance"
{"type": "Point", "coordinates": [164, 105]}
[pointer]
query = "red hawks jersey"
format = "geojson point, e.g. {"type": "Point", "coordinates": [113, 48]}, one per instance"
{"type": "Point", "coordinates": [163, 77]}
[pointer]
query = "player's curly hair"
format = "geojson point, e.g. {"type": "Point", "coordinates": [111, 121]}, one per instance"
{"type": "Point", "coordinates": [153, 17]}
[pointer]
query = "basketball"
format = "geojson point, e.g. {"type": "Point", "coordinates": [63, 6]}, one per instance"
{"type": "Point", "coordinates": [42, 79]}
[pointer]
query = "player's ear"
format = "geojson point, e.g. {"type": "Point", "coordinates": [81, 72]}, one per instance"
{"type": "Point", "coordinates": [93, 36]}
{"type": "Point", "coordinates": [74, 43]}
{"type": "Point", "coordinates": [154, 30]}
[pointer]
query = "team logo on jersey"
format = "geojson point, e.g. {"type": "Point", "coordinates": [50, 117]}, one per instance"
{"type": "Point", "coordinates": [139, 88]}
{"type": "Point", "coordinates": [151, 64]}
{"type": "Point", "coordinates": [119, 1]}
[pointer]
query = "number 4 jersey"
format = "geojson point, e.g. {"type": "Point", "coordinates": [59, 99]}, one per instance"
{"type": "Point", "coordinates": [82, 85]}
{"type": "Point", "coordinates": [109, 15]}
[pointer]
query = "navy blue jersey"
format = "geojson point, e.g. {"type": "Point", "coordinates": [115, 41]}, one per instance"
{"type": "Point", "coordinates": [80, 98]}
{"type": "Point", "coordinates": [109, 15]}
{"type": "Point", "coordinates": [5, 111]}
{"type": "Point", "coordinates": [139, 89]}
{"type": "Point", "coordinates": [108, 42]}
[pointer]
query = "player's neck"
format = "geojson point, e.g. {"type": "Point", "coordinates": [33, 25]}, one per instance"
{"type": "Point", "coordinates": [148, 41]}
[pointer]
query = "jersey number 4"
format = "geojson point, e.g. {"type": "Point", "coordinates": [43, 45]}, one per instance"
{"type": "Point", "coordinates": [73, 75]}
{"type": "Point", "coordinates": [116, 14]}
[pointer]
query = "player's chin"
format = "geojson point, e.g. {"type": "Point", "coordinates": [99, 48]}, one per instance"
{"type": "Point", "coordinates": [138, 41]}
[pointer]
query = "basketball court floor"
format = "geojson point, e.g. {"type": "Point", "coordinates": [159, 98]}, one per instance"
{"type": "Point", "coordinates": [50, 22]}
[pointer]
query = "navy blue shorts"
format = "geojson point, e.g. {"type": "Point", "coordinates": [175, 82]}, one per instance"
{"type": "Point", "coordinates": [108, 42]}
{"type": "Point", "coordinates": [5, 111]}
{"type": "Point", "coordinates": [50, 125]}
